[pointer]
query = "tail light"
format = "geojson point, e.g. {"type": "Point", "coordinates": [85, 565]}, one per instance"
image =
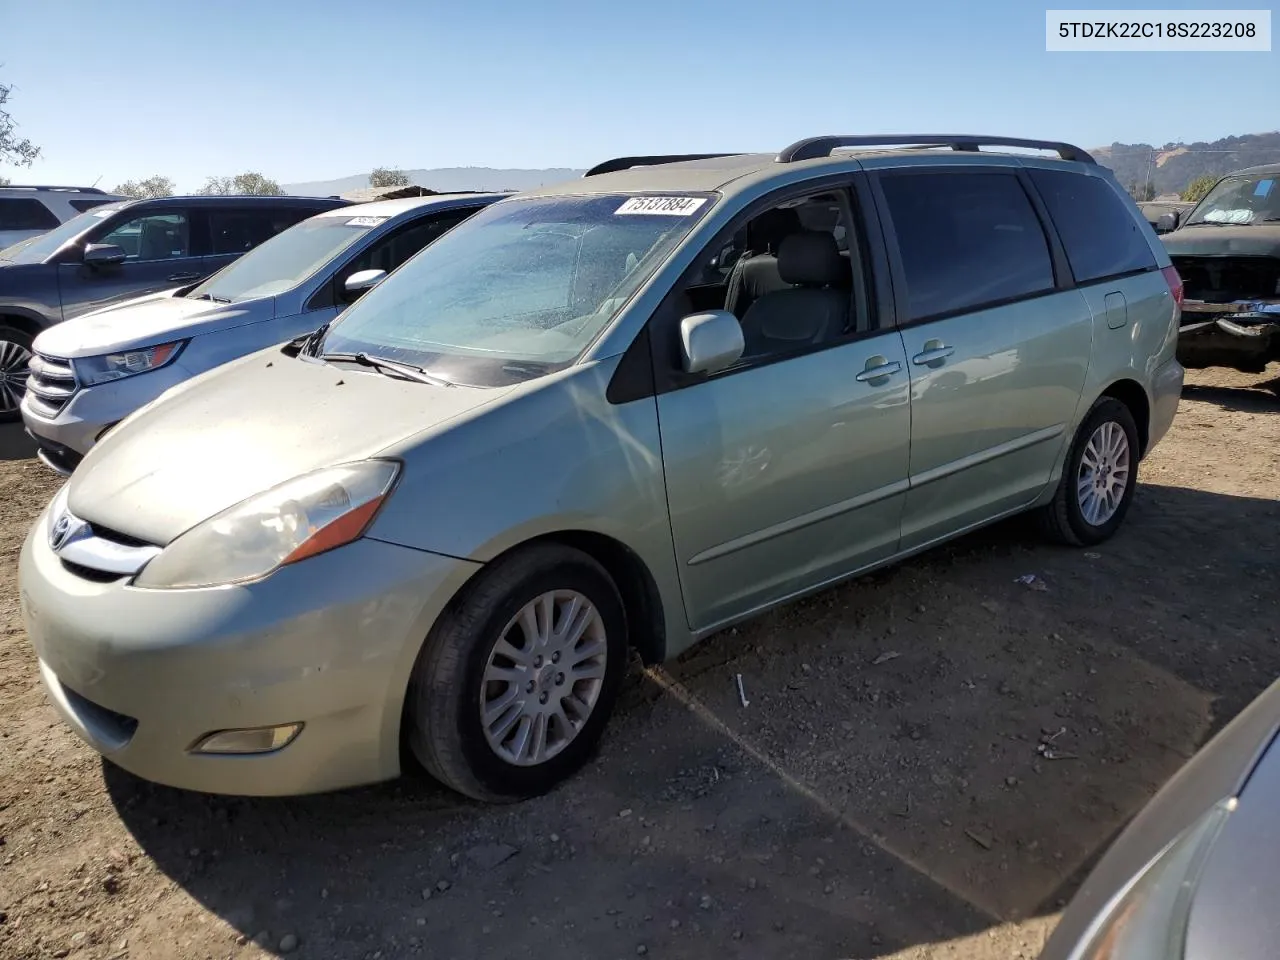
{"type": "Point", "coordinates": [1175, 284]}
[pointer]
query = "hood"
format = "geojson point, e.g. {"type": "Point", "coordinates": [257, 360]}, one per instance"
{"type": "Point", "coordinates": [157, 318]}
{"type": "Point", "coordinates": [1236, 910]}
{"type": "Point", "coordinates": [1259, 240]}
{"type": "Point", "coordinates": [245, 427]}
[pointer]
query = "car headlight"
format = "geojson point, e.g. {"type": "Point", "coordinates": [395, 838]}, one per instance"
{"type": "Point", "coordinates": [113, 366]}
{"type": "Point", "coordinates": [295, 520]}
{"type": "Point", "coordinates": [1148, 920]}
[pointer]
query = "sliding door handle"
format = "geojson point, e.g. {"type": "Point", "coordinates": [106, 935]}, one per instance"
{"type": "Point", "coordinates": [934, 352]}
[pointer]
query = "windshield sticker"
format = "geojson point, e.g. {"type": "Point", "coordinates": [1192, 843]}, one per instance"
{"type": "Point", "coordinates": [1263, 188]}
{"type": "Point", "coordinates": [661, 206]}
{"type": "Point", "coordinates": [365, 221]}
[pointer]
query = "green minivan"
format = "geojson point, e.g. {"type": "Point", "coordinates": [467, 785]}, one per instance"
{"type": "Point", "coordinates": [617, 414]}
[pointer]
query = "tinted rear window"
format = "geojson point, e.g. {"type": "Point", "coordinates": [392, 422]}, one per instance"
{"type": "Point", "coordinates": [966, 239]}
{"type": "Point", "coordinates": [22, 213]}
{"type": "Point", "coordinates": [1101, 237]}
{"type": "Point", "coordinates": [88, 203]}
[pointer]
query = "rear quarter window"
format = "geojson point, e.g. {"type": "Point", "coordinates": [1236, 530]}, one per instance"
{"type": "Point", "coordinates": [1101, 236]}
{"type": "Point", "coordinates": [25, 213]}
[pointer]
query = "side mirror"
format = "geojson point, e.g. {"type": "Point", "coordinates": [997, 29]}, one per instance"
{"type": "Point", "coordinates": [710, 341]}
{"type": "Point", "coordinates": [1168, 221]}
{"type": "Point", "coordinates": [103, 255]}
{"type": "Point", "coordinates": [361, 281]}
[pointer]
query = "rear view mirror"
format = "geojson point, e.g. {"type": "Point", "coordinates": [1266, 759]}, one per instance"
{"type": "Point", "coordinates": [711, 341]}
{"type": "Point", "coordinates": [103, 254]}
{"type": "Point", "coordinates": [361, 281]}
{"type": "Point", "coordinates": [1168, 222]}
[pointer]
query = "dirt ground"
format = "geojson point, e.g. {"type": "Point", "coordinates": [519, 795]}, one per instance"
{"type": "Point", "coordinates": [881, 794]}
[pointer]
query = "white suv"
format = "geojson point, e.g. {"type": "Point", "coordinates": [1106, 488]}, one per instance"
{"type": "Point", "coordinates": [27, 212]}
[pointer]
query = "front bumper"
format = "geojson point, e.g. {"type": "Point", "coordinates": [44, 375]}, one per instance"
{"type": "Point", "coordinates": [92, 411]}
{"type": "Point", "coordinates": [142, 675]}
{"type": "Point", "coordinates": [1244, 335]}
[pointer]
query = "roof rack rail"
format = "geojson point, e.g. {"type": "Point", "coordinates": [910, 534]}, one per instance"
{"type": "Point", "coordinates": [815, 147]}
{"type": "Point", "coordinates": [26, 186]}
{"type": "Point", "coordinates": [626, 163]}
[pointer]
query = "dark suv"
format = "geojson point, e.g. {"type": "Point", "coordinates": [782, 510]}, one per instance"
{"type": "Point", "coordinates": [116, 251]}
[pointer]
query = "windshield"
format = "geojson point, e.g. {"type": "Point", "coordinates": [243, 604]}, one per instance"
{"type": "Point", "coordinates": [284, 261]}
{"type": "Point", "coordinates": [1240, 200]}
{"type": "Point", "coordinates": [38, 249]}
{"type": "Point", "coordinates": [520, 289]}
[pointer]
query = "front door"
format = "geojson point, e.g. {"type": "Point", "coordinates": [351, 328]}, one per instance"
{"type": "Point", "coordinates": [159, 255]}
{"type": "Point", "coordinates": [786, 475]}
{"type": "Point", "coordinates": [997, 354]}
{"type": "Point", "coordinates": [789, 469]}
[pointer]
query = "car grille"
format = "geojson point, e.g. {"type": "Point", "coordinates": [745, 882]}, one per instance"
{"type": "Point", "coordinates": [51, 384]}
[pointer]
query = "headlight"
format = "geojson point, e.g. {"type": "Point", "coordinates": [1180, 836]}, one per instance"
{"type": "Point", "coordinates": [1148, 920]}
{"type": "Point", "coordinates": [300, 518]}
{"type": "Point", "coordinates": [113, 366]}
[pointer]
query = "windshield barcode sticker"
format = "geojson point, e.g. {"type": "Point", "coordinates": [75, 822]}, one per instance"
{"type": "Point", "coordinates": [365, 221]}
{"type": "Point", "coordinates": [662, 206]}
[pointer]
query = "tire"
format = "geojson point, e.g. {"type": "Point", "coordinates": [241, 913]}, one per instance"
{"type": "Point", "coordinates": [15, 347]}
{"type": "Point", "coordinates": [1064, 519]}
{"type": "Point", "coordinates": [448, 686]}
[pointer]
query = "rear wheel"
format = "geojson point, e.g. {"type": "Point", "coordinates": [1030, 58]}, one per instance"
{"type": "Point", "coordinates": [15, 355]}
{"type": "Point", "coordinates": [1098, 478]}
{"type": "Point", "coordinates": [516, 681]}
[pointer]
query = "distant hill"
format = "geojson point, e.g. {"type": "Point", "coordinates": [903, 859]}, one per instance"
{"type": "Point", "coordinates": [445, 180]}
{"type": "Point", "coordinates": [1174, 165]}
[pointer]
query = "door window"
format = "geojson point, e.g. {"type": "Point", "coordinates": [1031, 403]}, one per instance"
{"type": "Point", "coordinates": [398, 246]}
{"type": "Point", "coordinates": [967, 240]}
{"type": "Point", "coordinates": [795, 277]}
{"type": "Point", "coordinates": [25, 213]}
{"type": "Point", "coordinates": [156, 236]}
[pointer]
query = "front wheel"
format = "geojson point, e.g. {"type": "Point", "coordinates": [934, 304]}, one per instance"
{"type": "Point", "coordinates": [15, 356]}
{"type": "Point", "coordinates": [517, 679]}
{"type": "Point", "coordinates": [1098, 478]}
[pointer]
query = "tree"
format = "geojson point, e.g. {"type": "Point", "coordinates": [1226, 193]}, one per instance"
{"type": "Point", "coordinates": [1142, 191]}
{"type": "Point", "coordinates": [242, 184]}
{"type": "Point", "coordinates": [156, 186]}
{"type": "Point", "coordinates": [20, 153]}
{"type": "Point", "coordinates": [1197, 188]}
{"type": "Point", "coordinates": [388, 177]}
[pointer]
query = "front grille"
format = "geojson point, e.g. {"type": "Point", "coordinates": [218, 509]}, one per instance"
{"type": "Point", "coordinates": [52, 384]}
{"type": "Point", "coordinates": [1228, 279]}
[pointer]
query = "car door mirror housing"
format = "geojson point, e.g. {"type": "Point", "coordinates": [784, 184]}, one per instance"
{"type": "Point", "coordinates": [361, 281]}
{"type": "Point", "coordinates": [103, 255]}
{"type": "Point", "coordinates": [710, 341]}
{"type": "Point", "coordinates": [1168, 221]}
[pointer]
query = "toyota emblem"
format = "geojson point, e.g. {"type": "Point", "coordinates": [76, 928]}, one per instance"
{"type": "Point", "coordinates": [60, 532]}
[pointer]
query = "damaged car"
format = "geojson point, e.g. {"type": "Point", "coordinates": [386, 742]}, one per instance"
{"type": "Point", "coordinates": [1227, 251]}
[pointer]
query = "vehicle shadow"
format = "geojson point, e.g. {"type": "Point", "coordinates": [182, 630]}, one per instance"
{"type": "Point", "coordinates": [14, 442]}
{"type": "Point", "coordinates": [1261, 398]}
{"type": "Point", "coordinates": [924, 754]}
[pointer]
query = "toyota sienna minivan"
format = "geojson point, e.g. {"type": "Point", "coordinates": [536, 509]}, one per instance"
{"type": "Point", "coordinates": [613, 415]}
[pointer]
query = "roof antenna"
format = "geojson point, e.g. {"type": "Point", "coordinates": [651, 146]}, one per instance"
{"type": "Point", "coordinates": [95, 183]}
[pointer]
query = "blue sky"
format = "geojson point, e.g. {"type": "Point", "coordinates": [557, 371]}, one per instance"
{"type": "Point", "coordinates": [320, 89]}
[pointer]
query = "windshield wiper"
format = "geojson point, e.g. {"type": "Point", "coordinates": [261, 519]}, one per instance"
{"type": "Point", "coordinates": [213, 297]}
{"type": "Point", "coordinates": [387, 365]}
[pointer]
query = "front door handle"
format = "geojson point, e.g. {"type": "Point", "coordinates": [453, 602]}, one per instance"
{"type": "Point", "coordinates": [183, 277]}
{"type": "Point", "coordinates": [878, 368]}
{"type": "Point", "coordinates": [934, 352]}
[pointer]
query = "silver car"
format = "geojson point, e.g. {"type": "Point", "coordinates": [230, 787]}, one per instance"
{"type": "Point", "coordinates": [92, 371]}
{"type": "Point", "coordinates": [1193, 875]}
{"type": "Point", "coordinates": [620, 413]}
